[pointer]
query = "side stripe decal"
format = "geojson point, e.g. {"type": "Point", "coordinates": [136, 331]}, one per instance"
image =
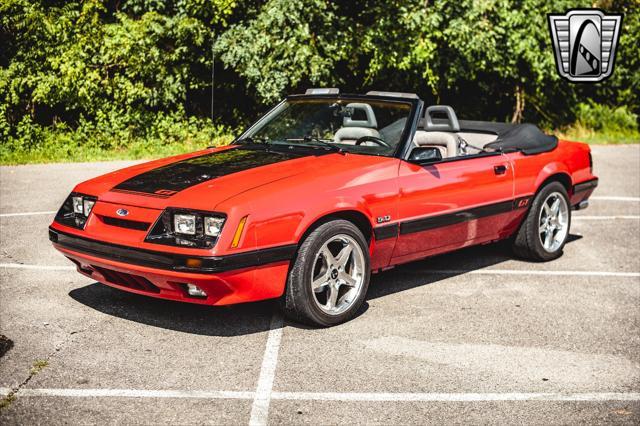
{"type": "Point", "coordinates": [433, 222]}
{"type": "Point", "coordinates": [386, 231]}
{"type": "Point", "coordinates": [454, 218]}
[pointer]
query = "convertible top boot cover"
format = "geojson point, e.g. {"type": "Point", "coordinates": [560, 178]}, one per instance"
{"type": "Point", "coordinates": [526, 138]}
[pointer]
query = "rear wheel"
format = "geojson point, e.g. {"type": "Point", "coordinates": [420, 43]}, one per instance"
{"type": "Point", "coordinates": [330, 275]}
{"type": "Point", "coordinates": [544, 232]}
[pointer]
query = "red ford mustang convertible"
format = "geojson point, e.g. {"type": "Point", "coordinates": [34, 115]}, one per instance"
{"type": "Point", "coordinates": [322, 191]}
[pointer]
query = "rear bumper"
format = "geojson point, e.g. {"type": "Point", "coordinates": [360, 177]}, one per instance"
{"type": "Point", "coordinates": [226, 279]}
{"type": "Point", "coordinates": [581, 193]}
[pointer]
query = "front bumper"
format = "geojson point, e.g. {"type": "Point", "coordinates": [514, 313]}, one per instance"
{"type": "Point", "coordinates": [237, 278]}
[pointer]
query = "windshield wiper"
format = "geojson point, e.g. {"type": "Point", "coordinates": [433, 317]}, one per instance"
{"type": "Point", "coordinates": [248, 141]}
{"type": "Point", "coordinates": [253, 140]}
{"type": "Point", "coordinates": [318, 141]}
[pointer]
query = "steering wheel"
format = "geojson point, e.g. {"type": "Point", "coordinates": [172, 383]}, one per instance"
{"type": "Point", "coordinates": [373, 139]}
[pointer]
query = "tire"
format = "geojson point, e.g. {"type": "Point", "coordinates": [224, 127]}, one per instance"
{"type": "Point", "coordinates": [345, 274]}
{"type": "Point", "coordinates": [531, 241]}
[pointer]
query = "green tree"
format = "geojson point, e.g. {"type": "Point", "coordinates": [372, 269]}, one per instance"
{"type": "Point", "coordinates": [112, 74]}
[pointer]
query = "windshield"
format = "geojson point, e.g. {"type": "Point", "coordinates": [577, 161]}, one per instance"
{"type": "Point", "coordinates": [359, 126]}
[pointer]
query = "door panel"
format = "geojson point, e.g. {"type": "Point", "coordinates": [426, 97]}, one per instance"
{"type": "Point", "coordinates": [452, 204]}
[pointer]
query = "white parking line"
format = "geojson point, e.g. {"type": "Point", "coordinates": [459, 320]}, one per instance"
{"type": "Point", "coordinates": [37, 267]}
{"type": "Point", "coordinates": [262, 399]}
{"type": "Point", "coordinates": [26, 214]}
{"type": "Point", "coordinates": [628, 217]}
{"type": "Point", "coordinates": [131, 393]}
{"type": "Point", "coordinates": [330, 396]}
{"type": "Point", "coordinates": [463, 397]}
{"type": "Point", "coordinates": [530, 272]}
{"type": "Point", "coordinates": [614, 198]}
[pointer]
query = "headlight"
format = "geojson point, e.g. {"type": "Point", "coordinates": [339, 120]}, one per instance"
{"type": "Point", "coordinates": [184, 224]}
{"type": "Point", "coordinates": [213, 225]}
{"type": "Point", "coordinates": [180, 227]}
{"type": "Point", "coordinates": [77, 205]}
{"type": "Point", "coordinates": [75, 210]}
{"type": "Point", "coordinates": [87, 206]}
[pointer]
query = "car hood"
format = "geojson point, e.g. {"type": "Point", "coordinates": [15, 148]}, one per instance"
{"type": "Point", "coordinates": [203, 179]}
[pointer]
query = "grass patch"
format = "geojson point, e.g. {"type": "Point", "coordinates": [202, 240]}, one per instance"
{"type": "Point", "coordinates": [578, 132]}
{"type": "Point", "coordinates": [139, 149]}
{"type": "Point", "coordinates": [59, 153]}
{"type": "Point", "coordinates": [38, 366]}
{"type": "Point", "coordinates": [602, 124]}
{"type": "Point", "coordinates": [7, 400]}
{"type": "Point", "coordinates": [156, 136]}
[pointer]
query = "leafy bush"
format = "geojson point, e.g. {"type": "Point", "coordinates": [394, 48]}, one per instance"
{"type": "Point", "coordinates": [605, 118]}
{"type": "Point", "coordinates": [165, 135]}
{"type": "Point", "coordinates": [599, 123]}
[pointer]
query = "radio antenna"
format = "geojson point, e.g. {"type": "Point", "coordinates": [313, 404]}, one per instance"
{"type": "Point", "coordinates": [213, 70]}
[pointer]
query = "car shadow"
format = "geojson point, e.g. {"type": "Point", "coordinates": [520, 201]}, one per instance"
{"type": "Point", "coordinates": [418, 273]}
{"type": "Point", "coordinates": [233, 320]}
{"type": "Point", "coordinates": [249, 318]}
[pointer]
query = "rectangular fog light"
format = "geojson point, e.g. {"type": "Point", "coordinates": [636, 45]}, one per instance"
{"type": "Point", "coordinates": [195, 291]}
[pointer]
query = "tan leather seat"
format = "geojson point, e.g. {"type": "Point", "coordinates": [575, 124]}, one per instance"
{"type": "Point", "coordinates": [447, 143]}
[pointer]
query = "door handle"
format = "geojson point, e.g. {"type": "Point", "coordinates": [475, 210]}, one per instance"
{"type": "Point", "coordinates": [500, 170]}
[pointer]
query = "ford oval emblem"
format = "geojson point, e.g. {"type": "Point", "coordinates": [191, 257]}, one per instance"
{"type": "Point", "coordinates": [122, 212]}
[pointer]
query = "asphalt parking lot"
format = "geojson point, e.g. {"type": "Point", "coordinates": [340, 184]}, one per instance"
{"type": "Point", "coordinates": [469, 337]}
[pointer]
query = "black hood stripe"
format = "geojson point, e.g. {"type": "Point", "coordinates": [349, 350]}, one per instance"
{"type": "Point", "coordinates": [175, 177]}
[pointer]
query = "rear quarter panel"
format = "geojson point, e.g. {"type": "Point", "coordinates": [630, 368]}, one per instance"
{"type": "Point", "coordinates": [531, 171]}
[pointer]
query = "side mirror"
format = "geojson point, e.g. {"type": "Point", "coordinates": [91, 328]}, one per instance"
{"type": "Point", "coordinates": [424, 154]}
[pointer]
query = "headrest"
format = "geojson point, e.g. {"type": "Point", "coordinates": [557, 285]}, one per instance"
{"type": "Point", "coordinates": [450, 125]}
{"type": "Point", "coordinates": [370, 122]}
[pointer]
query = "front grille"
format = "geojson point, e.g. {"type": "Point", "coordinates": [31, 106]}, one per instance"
{"type": "Point", "coordinates": [127, 280]}
{"type": "Point", "coordinates": [125, 223]}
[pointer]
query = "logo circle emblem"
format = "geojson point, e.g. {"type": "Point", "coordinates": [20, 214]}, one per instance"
{"type": "Point", "coordinates": [122, 212]}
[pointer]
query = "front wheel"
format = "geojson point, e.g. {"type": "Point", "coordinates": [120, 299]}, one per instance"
{"type": "Point", "coordinates": [328, 281]}
{"type": "Point", "coordinates": [544, 232]}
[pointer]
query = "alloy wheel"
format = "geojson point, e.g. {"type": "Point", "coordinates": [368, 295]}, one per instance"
{"type": "Point", "coordinates": [553, 223]}
{"type": "Point", "coordinates": [338, 274]}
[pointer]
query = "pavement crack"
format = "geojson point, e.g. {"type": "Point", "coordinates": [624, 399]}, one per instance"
{"type": "Point", "coordinates": [37, 366]}
{"type": "Point", "coordinates": [10, 257]}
